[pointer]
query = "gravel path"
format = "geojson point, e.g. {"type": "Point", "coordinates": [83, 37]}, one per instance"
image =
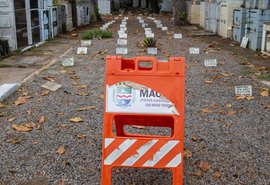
{"type": "Point", "coordinates": [232, 137]}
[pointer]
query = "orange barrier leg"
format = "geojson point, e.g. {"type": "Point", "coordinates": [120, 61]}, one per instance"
{"type": "Point", "coordinates": [106, 175]}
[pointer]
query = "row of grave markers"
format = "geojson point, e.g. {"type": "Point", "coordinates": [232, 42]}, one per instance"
{"type": "Point", "coordinates": [241, 90]}
{"type": "Point", "coordinates": [122, 40]}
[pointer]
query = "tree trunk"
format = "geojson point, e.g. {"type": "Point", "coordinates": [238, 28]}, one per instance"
{"type": "Point", "coordinates": [179, 12]}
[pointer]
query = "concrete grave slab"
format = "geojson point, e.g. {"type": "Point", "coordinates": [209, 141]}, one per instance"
{"type": "Point", "coordinates": [7, 89]}
{"type": "Point", "coordinates": [122, 42]}
{"type": "Point", "coordinates": [243, 90]}
{"type": "Point", "coordinates": [152, 51]}
{"type": "Point", "coordinates": [86, 43]}
{"type": "Point", "coordinates": [194, 51]}
{"type": "Point", "coordinates": [68, 62]}
{"type": "Point", "coordinates": [121, 51]}
{"type": "Point", "coordinates": [177, 36]}
{"type": "Point", "coordinates": [51, 86]}
{"type": "Point", "coordinates": [210, 63]}
{"type": "Point", "coordinates": [82, 51]}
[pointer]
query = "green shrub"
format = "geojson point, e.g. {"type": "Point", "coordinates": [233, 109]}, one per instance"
{"type": "Point", "coordinates": [96, 33]}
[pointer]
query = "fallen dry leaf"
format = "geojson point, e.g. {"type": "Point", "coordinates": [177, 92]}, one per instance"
{"type": "Point", "coordinates": [187, 153]}
{"type": "Point", "coordinates": [2, 105]}
{"type": "Point", "coordinates": [217, 174]}
{"type": "Point", "coordinates": [61, 150]}
{"type": "Point", "coordinates": [231, 112]}
{"type": "Point", "coordinates": [228, 105]}
{"type": "Point", "coordinates": [41, 119]}
{"type": "Point", "coordinates": [82, 86]}
{"type": "Point", "coordinates": [216, 77]}
{"type": "Point", "coordinates": [83, 93]}
{"type": "Point", "coordinates": [138, 126]}
{"type": "Point", "coordinates": [21, 100]}
{"type": "Point", "coordinates": [267, 106]}
{"type": "Point", "coordinates": [240, 97]}
{"type": "Point", "coordinates": [250, 98]}
{"type": "Point", "coordinates": [86, 108]}
{"type": "Point", "coordinates": [208, 82]}
{"type": "Point", "coordinates": [206, 111]}
{"type": "Point", "coordinates": [76, 120]}
{"type": "Point", "coordinates": [50, 78]}
{"type": "Point", "coordinates": [204, 166]}
{"type": "Point", "coordinates": [215, 106]}
{"type": "Point", "coordinates": [194, 138]}
{"type": "Point", "coordinates": [23, 127]}
{"type": "Point", "coordinates": [226, 74]}
{"type": "Point", "coordinates": [45, 92]}
{"type": "Point", "coordinates": [81, 136]}
{"type": "Point", "coordinates": [14, 140]}
{"type": "Point", "coordinates": [29, 111]}
{"type": "Point", "coordinates": [101, 97]}
{"type": "Point", "coordinates": [198, 173]}
{"type": "Point", "coordinates": [264, 92]}
{"type": "Point", "coordinates": [11, 119]}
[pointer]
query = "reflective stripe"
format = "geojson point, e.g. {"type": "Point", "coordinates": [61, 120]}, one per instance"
{"type": "Point", "coordinates": [161, 153]}
{"type": "Point", "coordinates": [119, 151]}
{"type": "Point", "coordinates": [108, 141]}
{"type": "Point", "coordinates": [140, 152]}
{"type": "Point", "coordinates": [175, 161]}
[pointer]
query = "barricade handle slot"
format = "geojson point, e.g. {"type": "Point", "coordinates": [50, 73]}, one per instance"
{"type": "Point", "coordinates": [146, 63]}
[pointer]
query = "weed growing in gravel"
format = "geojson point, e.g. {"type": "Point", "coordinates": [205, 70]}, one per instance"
{"type": "Point", "coordinates": [149, 42]}
{"type": "Point", "coordinates": [96, 33]}
{"type": "Point", "coordinates": [265, 77]}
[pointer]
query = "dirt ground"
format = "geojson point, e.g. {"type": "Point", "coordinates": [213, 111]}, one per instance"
{"type": "Point", "coordinates": [226, 139]}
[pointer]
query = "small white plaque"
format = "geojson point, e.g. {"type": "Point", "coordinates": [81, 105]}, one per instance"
{"type": "Point", "coordinates": [116, 18]}
{"type": "Point", "coordinates": [86, 43]}
{"type": "Point", "coordinates": [164, 28]}
{"type": "Point", "coordinates": [147, 29]}
{"type": "Point", "coordinates": [124, 23]}
{"type": "Point", "coordinates": [67, 62]}
{"type": "Point", "coordinates": [178, 36]}
{"type": "Point", "coordinates": [150, 35]}
{"type": "Point", "coordinates": [123, 29]}
{"type": "Point", "coordinates": [159, 25]}
{"type": "Point", "coordinates": [194, 51]}
{"type": "Point", "coordinates": [122, 42]}
{"type": "Point", "coordinates": [122, 26]}
{"type": "Point", "coordinates": [210, 63]}
{"type": "Point", "coordinates": [244, 42]}
{"type": "Point", "coordinates": [243, 90]}
{"type": "Point", "coordinates": [123, 36]}
{"type": "Point", "coordinates": [148, 32]}
{"type": "Point", "coordinates": [82, 50]}
{"type": "Point", "coordinates": [121, 51]}
{"type": "Point", "coordinates": [141, 21]}
{"type": "Point", "coordinates": [157, 21]}
{"type": "Point", "coordinates": [121, 32]}
{"type": "Point", "coordinates": [152, 51]}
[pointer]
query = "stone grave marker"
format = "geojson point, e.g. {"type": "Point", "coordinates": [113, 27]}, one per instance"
{"type": "Point", "coordinates": [51, 86]}
{"type": "Point", "coordinates": [210, 63]}
{"type": "Point", "coordinates": [82, 51]}
{"type": "Point", "coordinates": [123, 36]}
{"type": "Point", "coordinates": [164, 28]}
{"type": "Point", "coordinates": [244, 42]}
{"type": "Point", "coordinates": [122, 42]}
{"type": "Point", "coordinates": [121, 51]}
{"type": "Point", "coordinates": [177, 36]}
{"type": "Point", "coordinates": [152, 51]}
{"type": "Point", "coordinates": [243, 90]}
{"type": "Point", "coordinates": [194, 51]}
{"type": "Point", "coordinates": [147, 29]}
{"type": "Point", "coordinates": [150, 35]}
{"type": "Point", "coordinates": [68, 62]}
{"type": "Point", "coordinates": [86, 43]}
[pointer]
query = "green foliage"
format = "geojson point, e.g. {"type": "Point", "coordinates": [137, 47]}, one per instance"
{"type": "Point", "coordinates": [183, 15]}
{"type": "Point", "coordinates": [149, 42]}
{"type": "Point", "coordinates": [97, 14]}
{"type": "Point", "coordinates": [96, 33]}
{"type": "Point", "coordinates": [265, 77]}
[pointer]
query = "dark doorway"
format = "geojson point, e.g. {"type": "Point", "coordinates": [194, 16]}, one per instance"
{"type": "Point", "coordinates": [74, 13]}
{"type": "Point", "coordinates": [21, 24]}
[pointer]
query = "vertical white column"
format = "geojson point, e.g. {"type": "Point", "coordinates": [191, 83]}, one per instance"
{"type": "Point", "coordinates": [28, 22]}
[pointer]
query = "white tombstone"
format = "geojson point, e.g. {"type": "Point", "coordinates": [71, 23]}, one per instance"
{"type": "Point", "coordinates": [122, 26]}
{"type": "Point", "coordinates": [147, 29]}
{"type": "Point", "coordinates": [82, 51]}
{"type": "Point", "coordinates": [123, 36]}
{"type": "Point", "coordinates": [121, 51]}
{"type": "Point", "coordinates": [148, 32]}
{"type": "Point", "coordinates": [244, 42]}
{"type": "Point", "coordinates": [194, 51]}
{"type": "Point", "coordinates": [122, 42]}
{"type": "Point", "coordinates": [86, 43]}
{"type": "Point", "coordinates": [210, 63]}
{"type": "Point", "coordinates": [164, 28]}
{"type": "Point", "coordinates": [150, 35]}
{"type": "Point", "coordinates": [177, 36]}
{"type": "Point", "coordinates": [152, 51]}
{"type": "Point", "coordinates": [67, 62]}
{"type": "Point", "coordinates": [243, 90]}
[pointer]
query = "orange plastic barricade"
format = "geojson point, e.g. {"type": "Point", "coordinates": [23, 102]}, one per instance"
{"type": "Point", "coordinates": [144, 92]}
